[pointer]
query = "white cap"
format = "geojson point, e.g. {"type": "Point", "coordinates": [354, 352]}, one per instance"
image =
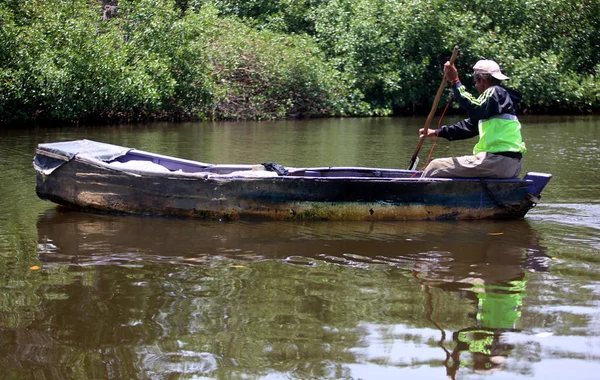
{"type": "Point", "coordinates": [486, 66]}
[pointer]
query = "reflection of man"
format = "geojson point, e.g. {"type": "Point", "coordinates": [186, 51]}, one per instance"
{"type": "Point", "coordinates": [495, 269]}
{"type": "Point", "coordinates": [488, 349]}
{"type": "Point", "coordinates": [500, 306]}
{"type": "Point", "coordinates": [498, 311]}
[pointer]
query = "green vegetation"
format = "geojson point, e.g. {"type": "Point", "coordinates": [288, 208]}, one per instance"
{"type": "Point", "coordinates": [67, 60]}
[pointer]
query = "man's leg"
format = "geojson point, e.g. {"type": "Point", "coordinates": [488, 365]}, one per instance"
{"type": "Point", "coordinates": [482, 165]}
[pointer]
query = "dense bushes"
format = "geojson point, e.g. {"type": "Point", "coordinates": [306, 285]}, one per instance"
{"type": "Point", "coordinates": [66, 65]}
{"type": "Point", "coordinates": [63, 63]}
{"type": "Point", "coordinates": [265, 59]}
{"type": "Point", "coordinates": [394, 49]}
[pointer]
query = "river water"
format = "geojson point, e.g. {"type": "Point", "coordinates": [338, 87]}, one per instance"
{"type": "Point", "coordinates": [96, 296]}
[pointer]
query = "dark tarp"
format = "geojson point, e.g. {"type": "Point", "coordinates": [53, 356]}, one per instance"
{"type": "Point", "coordinates": [50, 156]}
{"type": "Point", "coordinates": [275, 167]}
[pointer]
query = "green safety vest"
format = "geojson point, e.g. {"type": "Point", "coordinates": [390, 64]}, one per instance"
{"type": "Point", "coordinates": [500, 133]}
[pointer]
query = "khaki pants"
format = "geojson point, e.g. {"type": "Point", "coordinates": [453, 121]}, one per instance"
{"type": "Point", "coordinates": [482, 165]}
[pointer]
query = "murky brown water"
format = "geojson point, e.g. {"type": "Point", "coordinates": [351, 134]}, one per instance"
{"type": "Point", "coordinates": [126, 297]}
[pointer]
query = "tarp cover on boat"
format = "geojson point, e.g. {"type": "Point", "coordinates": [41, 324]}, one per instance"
{"type": "Point", "coordinates": [52, 155]}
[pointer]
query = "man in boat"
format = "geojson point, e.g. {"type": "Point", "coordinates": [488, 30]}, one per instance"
{"type": "Point", "coordinates": [491, 116]}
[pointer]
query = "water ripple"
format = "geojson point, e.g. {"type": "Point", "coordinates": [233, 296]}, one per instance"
{"type": "Point", "coordinates": [587, 215]}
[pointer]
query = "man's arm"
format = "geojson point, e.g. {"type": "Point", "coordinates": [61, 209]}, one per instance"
{"type": "Point", "coordinates": [483, 107]}
{"type": "Point", "coordinates": [462, 130]}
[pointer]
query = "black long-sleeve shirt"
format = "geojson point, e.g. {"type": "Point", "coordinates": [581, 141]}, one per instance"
{"type": "Point", "coordinates": [493, 101]}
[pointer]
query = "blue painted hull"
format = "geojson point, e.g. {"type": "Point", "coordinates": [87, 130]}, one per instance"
{"type": "Point", "coordinates": [85, 174]}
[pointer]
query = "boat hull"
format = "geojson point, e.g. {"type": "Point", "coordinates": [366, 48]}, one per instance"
{"type": "Point", "coordinates": [89, 184]}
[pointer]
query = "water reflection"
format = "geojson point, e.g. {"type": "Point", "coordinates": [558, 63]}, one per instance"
{"type": "Point", "coordinates": [82, 237]}
{"type": "Point", "coordinates": [142, 298]}
{"type": "Point", "coordinates": [492, 274]}
{"type": "Point", "coordinates": [309, 299]}
{"type": "Point", "coordinates": [498, 312]}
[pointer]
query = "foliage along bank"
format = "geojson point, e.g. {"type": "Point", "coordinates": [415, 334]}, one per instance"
{"type": "Point", "coordinates": [97, 61]}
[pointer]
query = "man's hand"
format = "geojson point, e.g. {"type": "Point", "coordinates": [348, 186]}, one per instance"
{"type": "Point", "coordinates": [450, 71]}
{"type": "Point", "coordinates": [430, 132]}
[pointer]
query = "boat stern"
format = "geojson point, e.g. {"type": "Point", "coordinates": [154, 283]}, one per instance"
{"type": "Point", "coordinates": [539, 182]}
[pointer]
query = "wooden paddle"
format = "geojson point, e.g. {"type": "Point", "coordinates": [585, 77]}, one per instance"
{"type": "Point", "coordinates": [414, 160]}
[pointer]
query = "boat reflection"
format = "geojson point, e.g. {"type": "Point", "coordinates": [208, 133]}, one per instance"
{"type": "Point", "coordinates": [440, 249]}
{"type": "Point", "coordinates": [484, 263]}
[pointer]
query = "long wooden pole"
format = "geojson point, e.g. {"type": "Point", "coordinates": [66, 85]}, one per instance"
{"type": "Point", "coordinates": [413, 159]}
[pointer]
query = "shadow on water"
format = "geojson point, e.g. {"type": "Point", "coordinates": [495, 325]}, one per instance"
{"type": "Point", "coordinates": [483, 265]}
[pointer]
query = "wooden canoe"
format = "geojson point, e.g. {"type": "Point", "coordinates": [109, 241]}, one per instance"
{"type": "Point", "coordinates": [98, 176]}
